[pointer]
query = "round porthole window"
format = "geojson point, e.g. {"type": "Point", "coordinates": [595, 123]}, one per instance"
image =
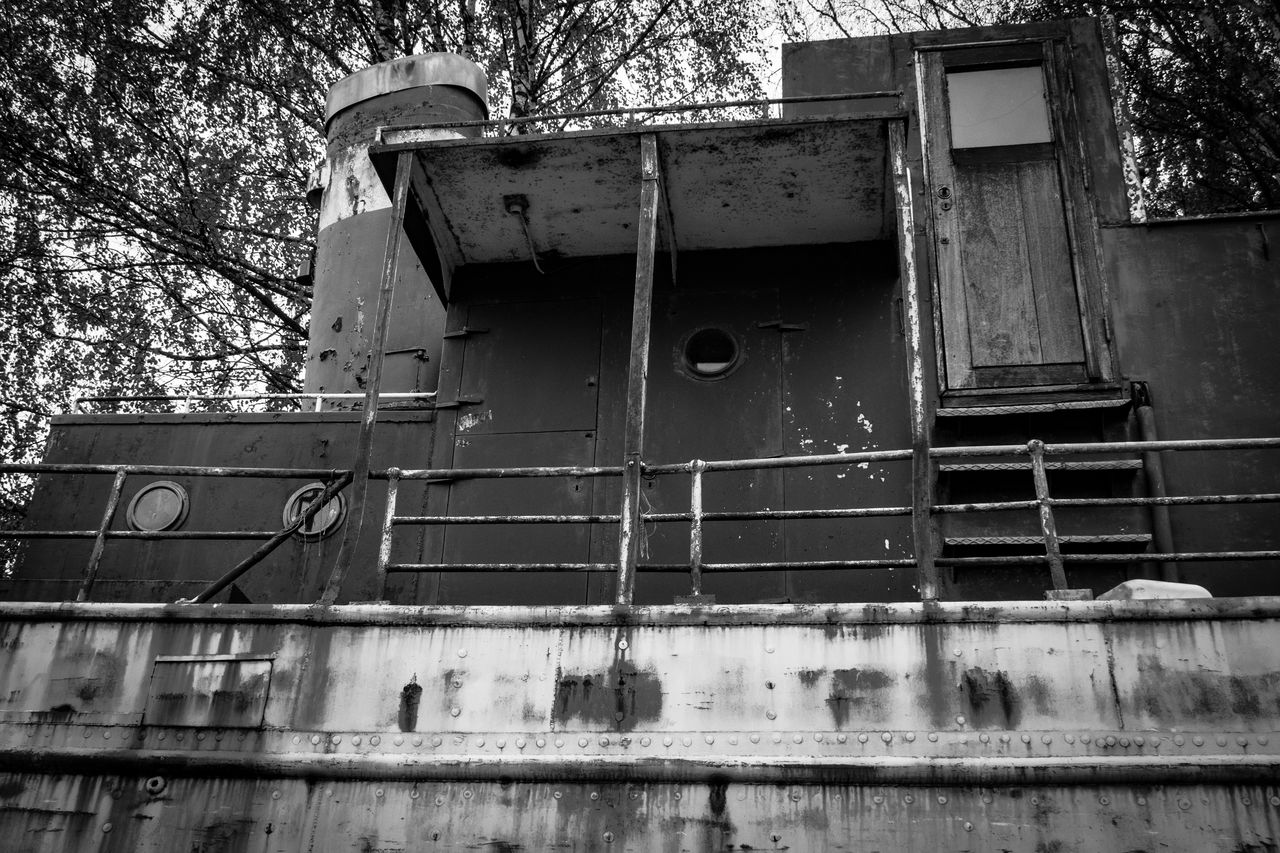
{"type": "Point", "coordinates": [324, 522]}
{"type": "Point", "coordinates": [710, 353]}
{"type": "Point", "coordinates": [158, 506]}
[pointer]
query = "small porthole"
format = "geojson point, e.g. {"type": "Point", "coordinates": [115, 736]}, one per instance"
{"type": "Point", "coordinates": [161, 505]}
{"type": "Point", "coordinates": [710, 353]}
{"type": "Point", "coordinates": [324, 522]}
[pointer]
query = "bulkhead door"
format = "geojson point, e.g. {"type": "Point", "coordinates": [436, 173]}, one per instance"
{"type": "Point", "coordinates": [1017, 270]}
{"type": "Point", "coordinates": [528, 397]}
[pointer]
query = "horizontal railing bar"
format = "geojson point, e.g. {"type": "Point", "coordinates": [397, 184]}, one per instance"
{"type": "Point", "coordinates": [768, 514]}
{"type": "Point", "coordinates": [1179, 500]}
{"type": "Point", "coordinates": [988, 506]}
{"type": "Point", "coordinates": [137, 534]}
{"type": "Point", "coordinates": [784, 462]}
{"type": "Point", "coordinates": [1107, 447]}
{"type": "Point", "coordinates": [807, 565]}
{"type": "Point", "coordinates": [496, 473]}
{"type": "Point", "coordinates": [622, 111]}
{"type": "Point", "coordinates": [505, 519]}
{"type": "Point", "coordinates": [661, 517]}
{"type": "Point", "coordinates": [170, 470]}
{"type": "Point", "coordinates": [418, 568]}
{"type": "Point", "coordinates": [1139, 557]}
{"type": "Point", "coordinates": [1170, 500]}
{"type": "Point", "coordinates": [300, 395]}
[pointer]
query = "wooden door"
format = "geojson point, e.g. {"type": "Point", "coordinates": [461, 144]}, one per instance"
{"type": "Point", "coordinates": [1017, 268]}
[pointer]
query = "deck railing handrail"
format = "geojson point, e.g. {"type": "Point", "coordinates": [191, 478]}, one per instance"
{"type": "Point", "coordinates": [185, 400]}
{"type": "Point", "coordinates": [499, 124]}
{"type": "Point", "coordinates": [1035, 450]}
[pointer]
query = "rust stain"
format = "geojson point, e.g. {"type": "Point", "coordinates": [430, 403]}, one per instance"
{"type": "Point", "coordinates": [410, 698]}
{"type": "Point", "coordinates": [1208, 696]}
{"type": "Point", "coordinates": [851, 689]}
{"type": "Point", "coordinates": [620, 698]}
{"type": "Point", "coordinates": [993, 700]}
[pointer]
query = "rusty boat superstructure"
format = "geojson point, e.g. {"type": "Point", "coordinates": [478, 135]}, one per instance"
{"type": "Point", "coordinates": [762, 475]}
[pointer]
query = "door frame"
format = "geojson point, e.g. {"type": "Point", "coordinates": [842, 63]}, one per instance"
{"type": "Point", "coordinates": [1079, 211]}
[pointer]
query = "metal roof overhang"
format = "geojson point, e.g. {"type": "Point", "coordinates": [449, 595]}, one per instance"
{"type": "Point", "coordinates": [726, 185]}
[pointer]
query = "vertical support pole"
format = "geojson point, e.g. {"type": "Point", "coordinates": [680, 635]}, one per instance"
{"type": "Point", "coordinates": [319, 401]}
{"type": "Point", "coordinates": [1048, 527]}
{"type": "Point", "coordinates": [388, 528]}
{"type": "Point", "coordinates": [100, 542]}
{"type": "Point", "coordinates": [364, 441]}
{"type": "Point", "coordinates": [921, 465]}
{"type": "Point", "coordinates": [696, 467]}
{"type": "Point", "coordinates": [638, 370]}
{"type": "Point", "coordinates": [1153, 468]}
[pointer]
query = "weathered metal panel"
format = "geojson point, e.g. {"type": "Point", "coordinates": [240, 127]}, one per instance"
{"type": "Point", "coordinates": [812, 183]}
{"type": "Point", "coordinates": [844, 391]}
{"type": "Point", "coordinates": [734, 416]}
{"type": "Point", "coordinates": [119, 813]}
{"type": "Point", "coordinates": [530, 367]}
{"type": "Point", "coordinates": [737, 673]}
{"type": "Point", "coordinates": [208, 690]}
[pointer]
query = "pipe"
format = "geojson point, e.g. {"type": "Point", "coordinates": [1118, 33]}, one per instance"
{"type": "Point", "coordinates": [1153, 467]}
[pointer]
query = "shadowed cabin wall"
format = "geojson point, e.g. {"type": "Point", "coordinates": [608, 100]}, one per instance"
{"type": "Point", "coordinates": [134, 570]}
{"type": "Point", "coordinates": [1195, 304]}
{"type": "Point", "coordinates": [542, 379]}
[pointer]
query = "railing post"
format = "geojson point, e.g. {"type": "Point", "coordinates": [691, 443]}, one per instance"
{"type": "Point", "coordinates": [696, 467]}
{"type": "Point", "coordinates": [377, 345]}
{"type": "Point", "coordinates": [319, 402]}
{"type": "Point", "coordinates": [1153, 469]}
{"type": "Point", "coordinates": [921, 464]}
{"type": "Point", "coordinates": [100, 542]}
{"type": "Point", "coordinates": [1048, 528]}
{"type": "Point", "coordinates": [388, 527]}
{"type": "Point", "coordinates": [638, 370]}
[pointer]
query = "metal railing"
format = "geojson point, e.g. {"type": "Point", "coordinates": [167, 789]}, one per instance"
{"type": "Point", "coordinates": [1043, 504]}
{"type": "Point", "coordinates": [335, 480]}
{"type": "Point", "coordinates": [305, 401]}
{"type": "Point", "coordinates": [758, 108]}
{"type": "Point", "coordinates": [1035, 452]}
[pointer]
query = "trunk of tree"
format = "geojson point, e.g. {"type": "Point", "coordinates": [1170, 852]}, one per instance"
{"type": "Point", "coordinates": [522, 61]}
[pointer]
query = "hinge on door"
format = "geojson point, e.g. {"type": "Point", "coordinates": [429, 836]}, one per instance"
{"type": "Point", "coordinates": [783, 327]}
{"type": "Point", "coordinates": [461, 401]}
{"type": "Point", "coordinates": [463, 332]}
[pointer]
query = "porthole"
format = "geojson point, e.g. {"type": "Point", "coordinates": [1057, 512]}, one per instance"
{"type": "Point", "coordinates": [324, 522]}
{"type": "Point", "coordinates": [161, 505]}
{"type": "Point", "coordinates": [710, 353]}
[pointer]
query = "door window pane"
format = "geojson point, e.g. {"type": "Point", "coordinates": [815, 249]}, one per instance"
{"type": "Point", "coordinates": [999, 106]}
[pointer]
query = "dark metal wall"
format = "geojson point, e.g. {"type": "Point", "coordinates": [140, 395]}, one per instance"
{"type": "Point", "coordinates": [539, 377]}
{"type": "Point", "coordinates": [133, 570]}
{"type": "Point", "coordinates": [1195, 306]}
